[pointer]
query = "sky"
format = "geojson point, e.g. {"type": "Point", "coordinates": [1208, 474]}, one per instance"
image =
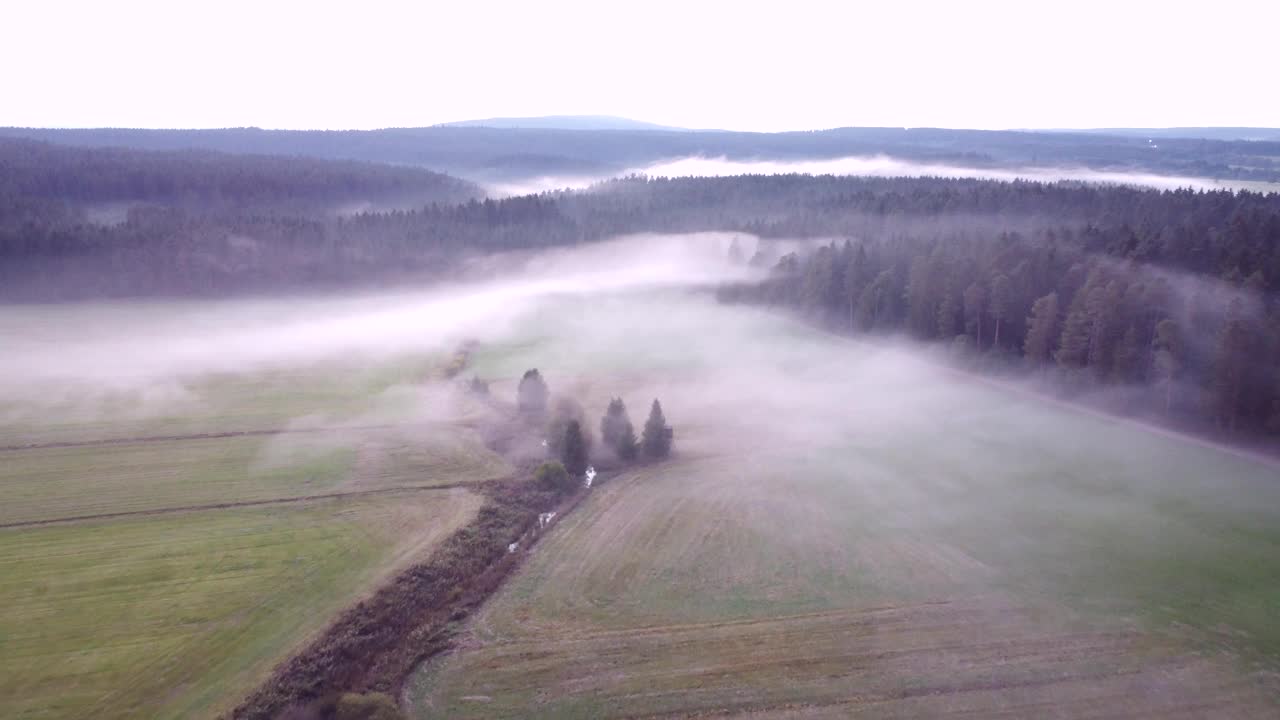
{"type": "Point", "coordinates": [743, 65]}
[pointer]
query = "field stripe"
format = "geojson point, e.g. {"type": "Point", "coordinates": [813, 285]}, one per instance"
{"type": "Point", "coordinates": [198, 436]}
{"type": "Point", "coordinates": [228, 505]}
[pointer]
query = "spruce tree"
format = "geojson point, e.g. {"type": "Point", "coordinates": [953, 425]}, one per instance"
{"type": "Point", "coordinates": [656, 438]}
{"type": "Point", "coordinates": [611, 423]}
{"type": "Point", "coordinates": [1041, 328]}
{"type": "Point", "coordinates": [626, 446]}
{"type": "Point", "coordinates": [531, 395]}
{"type": "Point", "coordinates": [567, 410]}
{"type": "Point", "coordinates": [1168, 355]}
{"type": "Point", "coordinates": [574, 455]}
{"type": "Point", "coordinates": [617, 432]}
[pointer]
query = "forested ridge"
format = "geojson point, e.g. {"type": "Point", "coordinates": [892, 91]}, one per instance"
{"type": "Point", "coordinates": [41, 178]}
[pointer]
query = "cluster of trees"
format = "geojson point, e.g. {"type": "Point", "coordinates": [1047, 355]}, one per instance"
{"type": "Point", "coordinates": [619, 434]}
{"type": "Point", "coordinates": [570, 441]}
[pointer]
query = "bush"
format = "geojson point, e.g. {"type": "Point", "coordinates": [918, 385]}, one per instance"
{"type": "Point", "coordinates": [552, 476]}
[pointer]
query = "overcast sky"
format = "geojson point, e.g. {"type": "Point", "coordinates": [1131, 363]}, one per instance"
{"type": "Point", "coordinates": [741, 65]}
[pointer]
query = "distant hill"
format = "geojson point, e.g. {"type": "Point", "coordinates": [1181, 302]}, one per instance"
{"type": "Point", "coordinates": [1190, 133]}
{"type": "Point", "coordinates": [503, 155]}
{"type": "Point", "coordinates": [564, 122]}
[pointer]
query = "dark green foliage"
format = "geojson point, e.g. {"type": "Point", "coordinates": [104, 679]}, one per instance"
{"type": "Point", "coordinates": [369, 706]}
{"type": "Point", "coordinates": [1168, 353]}
{"type": "Point", "coordinates": [657, 436]}
{"type": "Point", "coordinates": [617, 432]}
{"type": "Point", "coordinates": [627, 446]}
{"type": "Point", "coordinates": [553, 476]}
{"type": "Point", "coordinates": [567, 410]}
{"type": "Point", "coordinates": [1042, 327]}
{"type": "Point", "coordinates": [574, 453]}
{"type": "Point", "coordinates": [1230, 369]}
{"type": "Point", "coordinates": [531, 394]}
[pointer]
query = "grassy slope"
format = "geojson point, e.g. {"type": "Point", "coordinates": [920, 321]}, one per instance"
{"type": "Point", "coordinates": [175, 616]}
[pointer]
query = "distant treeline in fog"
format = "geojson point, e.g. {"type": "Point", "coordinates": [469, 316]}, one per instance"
{"type": "Point", "coordinates": [493, 154]}
{"type": "Point", "coordinates": [48, 184]}
{"type": "Point", "coordinates": [52, 251]}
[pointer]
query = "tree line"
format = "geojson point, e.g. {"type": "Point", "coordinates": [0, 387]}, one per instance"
{"type": "Point", "coordinates": [1193, 350]}
{"type": "Point", "coordinates": [171, 250]}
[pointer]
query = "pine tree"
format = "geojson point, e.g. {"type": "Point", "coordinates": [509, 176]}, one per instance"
{"type": "Point", "coordinates": [617, 432]}
{"type": "Point", "coordinates": [567, 410]}
{"type": "Point", "coordinates": [1128, 357]}
{"type": "Point", "coordinates": [974, 300]}
{"type": "Point", "coordinates": [1073, 345]}
{"type": "Point", "coordinates": [1000, 299]}
{"type": "Point", "coordinates": [948, 309]}
{"type": "Point", "coordinates": [531, 394]}
{"type": "Point", "coordinates": [626, 446]}
{"type": "Point", "coordinates": [1041, 327]}
{"type": "Point", "coordinates": [1230, 363]}
{"type": "Point", "coordinates": [656, 438]}
{"type": "Point", "coordinates": [1168, 358]}
{"type": "Point", "coordinates": [574, 453]}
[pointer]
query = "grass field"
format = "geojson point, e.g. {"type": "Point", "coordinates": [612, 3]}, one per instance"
{"type": "Point", "coordinates": [854, 531]}
{"type": "Point", "coordinates": [177, 615]}
{"type": "Point", "coordinates": [43, 484]}
{"type": "Point", "coordinates": [174, 607]}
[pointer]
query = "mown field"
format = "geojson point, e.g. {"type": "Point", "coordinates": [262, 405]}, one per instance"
{"type": "Point", "coordinates": [158, 564]}
{"type": "Point", "coordinates": [852, 530]}
{"type": "Point", "coordinates": [177, 615]}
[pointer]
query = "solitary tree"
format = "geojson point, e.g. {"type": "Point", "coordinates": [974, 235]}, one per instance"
{"type": "Point", "coordinates": [657, 437]}
{"type": "Point", "coordinates": [531, 395]}
{"type": "Point", "coordinates": [574, 454]}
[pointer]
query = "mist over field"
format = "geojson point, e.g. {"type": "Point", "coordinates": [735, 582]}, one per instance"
{"type": "Point", "coordinates": [135, 356]}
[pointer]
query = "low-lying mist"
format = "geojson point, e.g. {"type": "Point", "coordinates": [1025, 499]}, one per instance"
{"type": "Point", "coordinates": [136, 356]}
{"type": "Point", "coordinates": [862, 166]}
